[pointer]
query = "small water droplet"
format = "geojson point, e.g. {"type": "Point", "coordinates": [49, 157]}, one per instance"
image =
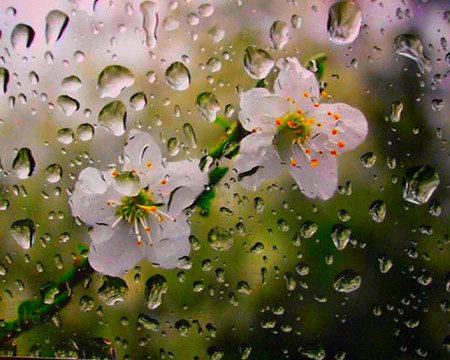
{"type": "Point", "coordinates": [68, 105]}
{"type": "Point", "coordinates": [257, 62]}
{"type": "Point", "coordinates": [113, 80]}
{"type": "Point", "coordinates": [344, 22]}
{"type": "Point", "coordinates": [24, 165]}
{"type": "Point", "coordinates": [4, 80]}
{"type": "Point", "coordinates": [178, 76]}
{"type": "Point", "coordinates": [22, 231]}
{"type": "Point", "coordinates": [341, 236]}
{"type": "Point", "coordinates": [396, 111]}
{"type": "Point", "coordinates": [173, 146]}
{"type": "Point", "coordinates": [188, 131]}
{"type": "Point", "coordinates": [377, 210]}
{"type": "Point", "coordinates": [208, 106]}
{"type": "Point", "coordinates": [71, 83]}
{"type": "Point", "coordinates": [155, 288]}
{"type": "Point", "coordinates": [56, 22]}
{"type": "Point", "coordinates": [347, 281]}
{"type": "Point", "coordinates": [85, 132]}
{"type": "Point", "coordinates": [113, 290]}
{"type": "Point", "coordinates": [53, 173]}
{"type": "Point", "coordinates": [150, 15]}
{"type": "Point", "coordinates": [22, 37]}
{"type": "Point", "coordinates": [220, 239]}
{"type": "Point", "coordinates": [113, 117]}
{"type": "Point", "coordinates": [420, 183]}
{"type": "Point", "coordinates": [279, 34]}
{"type": "Point", "coordinates": [411, 47]}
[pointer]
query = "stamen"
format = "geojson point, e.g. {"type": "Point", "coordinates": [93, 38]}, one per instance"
{"type": "Point", "coordinates": [316, 105]}
{"type": "Point", "coordinates": [311, 121]}
{"type": "Point", "coordinates": [294, 102]}
{"type": "Point", "coordinates": [337, 116]}
{"type": "Point", "coordinates": [290, 123]}
{"type": "Point", "coordinates": [299, 111]}
{"type": "Point", "coordinates": [148, 165]}
{"type": "Point", "coordinates": [136, 231]}
{"type": "Point", "coordinates": [116, 222]}
{"type": "Point", "coordinates": [340, 144]}
{"type": "Point", "coordinates": [278, 121]}
{"type": "Point", "coordinates": [306, 94]}
{"type": "Point", "coordinates": [147, 230]}
{"type": "Point", "coordinates": [293, 162]}
{"type": "Point", "coordinates": [333, 152]}
{"type": "Point", "coordinates": [166, 215]}
{"type": "Point", "coordinates": [307, 150]}
{"type": "Point", "coordinates": [115, 173]}
{"type": "Point", "coordinates": [314, 162]}
{"type": "Point", "coordinates": [329, 113]}
{"type": "Point", "coordinates": [164, 181]}
{"type": "Point", "coordinates": [324, 94]}
{"type": "Point", "coordinates": [288, 98]}
{"type": "Point", "coordinates": [334, 131]}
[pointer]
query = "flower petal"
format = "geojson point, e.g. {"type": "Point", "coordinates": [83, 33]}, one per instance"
{"type": "Point", "coordinates": [257, 160]}
{"type": "Point", "coordinates": [350, 123]}
{"type": "Point", "coordinates": [170, 241]}
{"type": "Point", "coordinates": [142, 153]}
{"type": "Point", "coordinates": [101, 232]}
{"type": "Point", "coordinates": [294, 81]}
{"type": "Point", "coordinates": [117, 255]}
{"type": "Point", "coordinates": [320, 180]}
{"type": "Point", "coordinates": [180, 199]}
{"type": "Point", "coordinates": [180, 173]}
{"type": "Point", "coordinates": [92, 181]}
{"type": "Point", "coordinates": [93, 207]}
{"type": "Point", "coordinates": [259, 108]}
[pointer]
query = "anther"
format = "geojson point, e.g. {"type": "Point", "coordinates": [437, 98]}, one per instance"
{"type": "Point", "coordinates": [164, 181]}
{"type": "Point", "coordinates": [324, 94]}
{"type": "Point", "coordinates": [278, 121]}
{"type": "Point", "coordinates": [314, 162]}
{"type": "Point", "coordinates": [334, 131]}
{"type": "Point", "coordinates": [293, 162]}
{"type": "Point", "coordinates": [115, 173]}
{"type": "Point", "coordinates": [336, 116]}
{"type": "Point", "coordinates": [340, 144]}
{"type": "Point", "coordinates": [316, 105]}
{"type": "Point", "coordinates": [299, 111]}
{"type": "Point", "coordinates": [306, 94]}
{"type": "Point", "coordinates": [333, 152]}
{"type": "Point", "coordinates": [148, 165]}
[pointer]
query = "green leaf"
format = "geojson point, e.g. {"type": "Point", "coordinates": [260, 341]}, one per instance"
{"type": "Point", "coordinates": [316, 64]}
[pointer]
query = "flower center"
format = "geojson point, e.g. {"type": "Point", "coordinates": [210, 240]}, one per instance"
{"type": "Point", "coordinates": [136, 207]}
{"type": "Point", "coordinates": [298, 123]}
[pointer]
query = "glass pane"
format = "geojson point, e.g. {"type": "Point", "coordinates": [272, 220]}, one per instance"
{"type": "Point", "coordinates": [234, 179]}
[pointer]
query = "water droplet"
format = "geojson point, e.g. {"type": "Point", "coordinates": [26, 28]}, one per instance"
{"type": "Point", "coordinates": [341, 236]}
{"type": "Point", "coordinates": [53, 173]}
{"type": "Point", "coordinates": [170, 23]}
{"type": "Point", "coordinates": [220, 239]}
{"type": "Point", "coordinates": [24, 165]}
{"type": "Point", "coordinates": [208, 106]}
{"type": "Point", "coordinates": [188, 131]}
{"type": "Point", "coordinates": [138, 101]}
{"type": "Point", "coordinates": [148, 323]}
{"type": "Point", "coordinates": [214, 65]}
{"type": "Point", "coordinates": [178, 76]}
{"type": "Point", "coordinates": [155, 288]}
{"type": "Point", "coordinates": [437, 104]}
{"type": "Point", "coordinates": [85, 132]}
{"type": "Point", "coordinates": [344, 22]}
{"type": "Point", "coordinates": [113, 290]}
{"type": "Point", "coordinates": [308, 229]}
{"type": "Point", "coordinates": [22, 37]}
{"type": "Point", "coordinates": [150, 15]}
{"type": "Point", "coordinates": [22, 231]}
{"type": "Point", "coordinates": [71, 83]}
{"type": "Point", "coordinates": [296, 21]}
{"type": "Point", "coordinates": [206, 10]}
{"type": "Point", "coordinates": [279, 34]}
{"type": "Point", "coordinates": [68, 105]}
{"type": "Point", "coordinates": [216, 34]}
{"type": "Point", "coordinates": [385, 263]}
{"type": "Point", "coordinates": [113, 80]}
{"type": "Point", "coordinates": [113, 117]}
{"type": "Point", "coordinates": [4, 80]}
{"type": "Point", "coordinates": [368, 159]}
{"type": "Point", "coordinates": [420, 184]}
{"type": "Point", "coordinates": [377, 210]}
{"type": "Point", "coordinates": [347, 281]}
{"type": "Point", "coordinates": [173, 146]}
{"type": "Point", "coordinates": [183, 327]}
{"type": "Point", "coordinates": [245, 351]}
{"type": "Point", "coordinates": [411, 47]}
{"type": "Point", "coordinates": [396, 111]}
{"type": "Point", "coordinates": [56, 22]}
{"type": "Point", "coordinates": [257, 62]}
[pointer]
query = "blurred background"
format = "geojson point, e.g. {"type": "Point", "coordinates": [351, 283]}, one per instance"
{"type": "Point", "coordinates": [272, 294]}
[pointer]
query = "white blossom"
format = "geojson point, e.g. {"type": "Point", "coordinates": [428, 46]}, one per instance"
{"type": "Point", "coordinates": [292, 126]}
{"type": "Point", "coordinates": [137, 213]}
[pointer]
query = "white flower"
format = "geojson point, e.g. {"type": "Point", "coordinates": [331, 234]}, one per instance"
{"type": "Point", "coordinates": [138, 212]}
{"type": "Point", "coordinates": [290, 126]}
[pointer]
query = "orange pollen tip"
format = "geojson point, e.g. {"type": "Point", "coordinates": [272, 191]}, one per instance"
{"type": "Point", "coordinates": [164, 181]}
{"type": "Point", "coordinates": [290, 123]}
{"type": "Point", "coordinates": [320, 152]}
{"type": "Point", "coordinates": [253, 130]}
{"type": "Point", "coordinates": [147, 229]}
{"type": "Point", "coordinates": [294, 102]}
{"type": "Point", "coordinates": [340, 144]}
{"type": "Point", "coordinates": [336, 116]}
{"type": "Point", "coordinates": [329, 113]}
{"type": "Point", "coordinates": [314, 162]}
{"type": "Point", "coordinates": [293, 162]}
{"type": "Point", "coordinates": [153, 208]}
{"type": "Point", "coordinates": [139, 242]}
{"type": "Point", "coordinates": [311, 121]}
{"type": "Point", "coordinates": [319, 124]}
{"type": "Point", "coordinates": [299, 111]}
{"type": "Point", "coordinates": [148, 165]}
{"type": "Point", "coordinates": [288, 98]}
{"type": "Point", "coordinates": [307, 150]}
{"type": "Point", "coordinates": [133, 171]}
{"type": "Point", "coordinates": [333, 152]}
{"type": "Point", "coordinates": [278, 121]}
{"type": "Point", "coordinates": [108, 203]}
{"type": "Point", "coordinates": [324, 94]}
{"type": "Point", "coordinates": [334, 131]}
{"type": "Point", "coordinates": [114, 173]}
{"type": "Point", "coordinates": [306, 94]}
{"type": "Point", "coordinates": [316, 105]}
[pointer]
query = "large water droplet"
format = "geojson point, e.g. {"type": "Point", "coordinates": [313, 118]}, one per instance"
{"type": "Point", "coordinates": [113, 117]}
{"type": "Point", "coordinates": [344, 22]}
{"type": "Point", "coordinates": [220, 239]}
{"type": "Point", "coordinates": [113, 80]}
{"type": "Point", "coordinates": [4, 80]}
{"type": "Point", "coordinates": [71, 83]}
{"type": "Point", "coordinates": [22, 37]}
{"type": "Point", "coordinates": [420, 183]}
{"type": "Point", "coordinates": [279, 34]}
{"type": "Point", "coordinates": [257, 62]}
{"type": "Point", "coordinates": [149, 12]}
{"type": "Point", "coordinates": [155, 288]}
{"type": "Point", "coordinates": [68, 105]}
{"type": "Point", "coordinates": [56, 22]}
{"type": "Point", "coordinates": [53, 173]}
{"type": "Point", "coordinates": [178, 76]}
{"type": "Point", "coordinates": [113, 290]}
{"type": "Point", "coordinates": [24, 165]}
{"type": "Point", "coordinates": [377, 210]}
{"type": "Point", "coordinates": [208, 106]}
{"type": "Point", "coordinates": [23, 232]}
{"type": "Point", "coordinates": [340, 236]}
{"type": "Point", "coordinates": [411, 47]}
{"type": "Point", "coordinates": [347, 281]}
